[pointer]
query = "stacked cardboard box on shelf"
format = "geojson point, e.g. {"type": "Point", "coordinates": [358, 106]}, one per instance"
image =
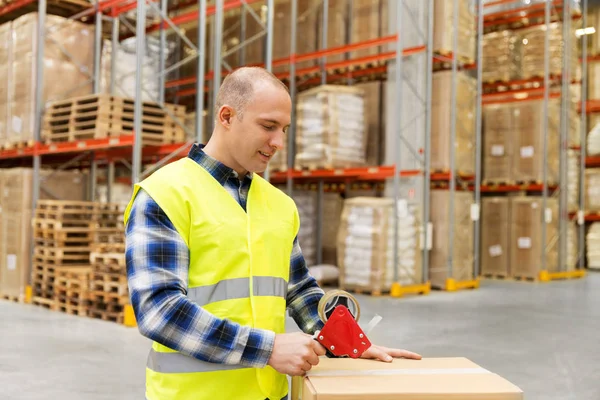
{"type": "Point", "coordinates": [444, 32]}
{"type": "Point", "coordinates": [501, 56]}
{"type": "Point", "coordinates": [513, 139]}
{"type": "Point", "coordinates": [76, 39]}
{"type": "Point", "coordinates": [592, 189]}
{"type": "Point", "coordinates": [593, 81]}
{"type": "Point", "coordinates": [593, 246]}
{"type": "Point", "coordinates": [330, 127]}
{"type": "Point", "coordinates": [462, 249]}
{"type": "Point", "coordinates": [5, 75]}
{"type": "Point", "coordinates": [464, 146]}
{"type": "Point", "coordinates": [511, 237]}
{"type": "Point", "coordinates": [365, 245]}
{"type": "Point", "coordinates": [593, 139]}
{"type": "Point", "coordinates": [16, 221]}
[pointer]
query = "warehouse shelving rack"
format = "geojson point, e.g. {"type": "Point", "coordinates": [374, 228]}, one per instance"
{"type": "Point", "coordinates": [544, 14]}
{"type": "Point", "coordinates": [127, 149]}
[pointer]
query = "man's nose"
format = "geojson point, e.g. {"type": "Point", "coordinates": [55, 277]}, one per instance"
{"type": "Point", "coordinates": [277, 140]}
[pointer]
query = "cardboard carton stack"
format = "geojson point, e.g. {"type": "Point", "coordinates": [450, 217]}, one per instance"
{"type": "Point", "coordinates": [462, 249]}
{"type": "Point", "coordinates": [369, 21]}
{"type": "Point", "coordinates": [5, 75]}
{"type": "Point", "coordinates": [526, 237]}
{"type": "Point", "coordinates": [366, 243]}
{"type": "Point", "coordinates": [495, 236]}
{"type": "Point", "coordinates": [593, 81]}
{"type": "Point", "coordinates": [592, 189]}
{"type": "Point", "coordinates": [75, 38]}
{"type": "Point", "coordinates": [501, 56]}
{"type": "Point", "coordinates": [16, 233]}
{"type": "Point", "coordinates": [513, 138]}
{"type": "Point", "coordinates": [330, 127]}
{"type": "Point", "coordinates": [593, 139]}
{"type": "Point", "coordinates": [443, 33]}
{"type": "Point", "coordinates": [464, 146]}
{"type": "Point", "coordinates": [593, 246]}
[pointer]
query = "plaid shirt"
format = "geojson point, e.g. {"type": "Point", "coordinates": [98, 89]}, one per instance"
{"type": "Point", "coordinates": [157, 268]}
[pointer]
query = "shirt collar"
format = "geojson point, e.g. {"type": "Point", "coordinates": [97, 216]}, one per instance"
{"type": "Point", "coordinates": [217, 169]}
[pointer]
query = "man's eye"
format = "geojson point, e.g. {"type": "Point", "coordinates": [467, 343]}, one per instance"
{"type": "Point", "coordinates": [269, 127]}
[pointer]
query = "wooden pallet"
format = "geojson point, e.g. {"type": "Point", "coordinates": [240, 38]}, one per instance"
{"type": "Point", "coordinates": [108, 262]}
{"type": "Point", "coordinates": [12, 298]}
{"type": "Point", "coordinates": [44, 302]}
{"type": "Point", "coordinates": [112, 316]}
{"type": "Point", "coordinates": [108, 102]}
{"type": "Point", "coordinates": [42, 278]}
{"type": "Point", "coordinates": [18, 144]}
{"type": "Point", "coordinates": [108, 282]}
{"type": "Point", "coordinates": [62, 255]}
{"type": "Point", "coordinates": [109, 247]}
{"type": "Point", "coordinates": [71, 289]}
{"type": "Point", "coordinates": [63, 211]}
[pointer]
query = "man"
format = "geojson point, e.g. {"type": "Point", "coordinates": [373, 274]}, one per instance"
{"type": "Point", "coordinates": [213, 260]}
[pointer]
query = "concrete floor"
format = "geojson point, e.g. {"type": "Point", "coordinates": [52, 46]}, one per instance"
{"type": "Point", "coordinates": [542, 337]}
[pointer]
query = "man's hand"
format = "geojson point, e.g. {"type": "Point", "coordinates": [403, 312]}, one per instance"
{"type": "Point", "coordinates": [386, 354]}
{"type": "Point", "coordinates": [295, 353]}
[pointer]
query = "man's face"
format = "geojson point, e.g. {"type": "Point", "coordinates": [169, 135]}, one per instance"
{"type": "Point", "coordinates": [262, 131]}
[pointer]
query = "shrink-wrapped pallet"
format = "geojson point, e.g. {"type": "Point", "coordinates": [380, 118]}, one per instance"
{"type": "Point", "coordinates": [495, 236]}
{"type": "Point", "coordinates": [444, 29]}
{"type": "Point", "coordinates": [593, 139]}
{"type": "Point", "coordinates": [462, 231]}
{"type": "Point", "coordinates": [592, 189]}
{"type": "Point", "coordinates": [532, 51]}
{"type": "Point", "coordinates": [126, 68]}
{"type": "Point", "coordinates": [592, 239]}
{"type": "Point", "coordinates": [441, 122]}
{"type": "Point", "coordinates": [366, 244]}
{"type": "Point", "coordinates": [526, 236]}
{"type": "Point", "coordinates": [501, 56]}
{"type": "Point", "coordinates": [330, 127]}
{"type": "Point", "coordinates": [499, 124]}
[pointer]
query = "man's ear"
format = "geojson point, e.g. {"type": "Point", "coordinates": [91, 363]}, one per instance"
{"type": "Point", "coordinates": [225, 115]}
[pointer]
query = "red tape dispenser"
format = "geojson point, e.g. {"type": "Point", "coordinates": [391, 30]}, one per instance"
{"type": "Point", "coordinates": [341, 335]}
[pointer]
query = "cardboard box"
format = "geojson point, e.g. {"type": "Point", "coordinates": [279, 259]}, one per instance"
{"type": "Point", "coordinates": [444, 32]}
{"type": "Point", "coordinates": [374, 121]}
{"type": "Point", "coordinates": [426, 379]}
{"type": "Point", "coordinates": [592, 189]}
{"type": "Point", "coordinates": [495, 236]}
{"type": "Point", "coordinates": [593, 81]}
{"type": "Point", "coordinates": [501, 56]}
{"type": "Point", "coordinates": [462, 249]}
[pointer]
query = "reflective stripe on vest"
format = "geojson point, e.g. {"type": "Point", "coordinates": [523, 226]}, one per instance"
{"type": "Point", "coordinates": [177, 363]}
{"type": "Point", "coordinates": [238, 288]}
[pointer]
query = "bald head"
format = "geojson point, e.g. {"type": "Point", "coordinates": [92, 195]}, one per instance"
{"type": "Point", "coordinates": [238, 87]}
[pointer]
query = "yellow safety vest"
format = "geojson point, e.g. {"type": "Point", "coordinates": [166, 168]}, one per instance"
{"type": "Point", "coordinates": [239, 270]}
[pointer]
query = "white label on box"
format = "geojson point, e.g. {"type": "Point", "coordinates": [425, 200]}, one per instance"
{"type": "Point", "coordinates": [497, 150]}
{"type": "Point", "coordinates": [580, 217]}
{"type": "Point", "coordinates": [548, 215]}
{"type": "Point", "coordinates": [524, 243]}
{"type": "Point", "coordinates": [495, 251]}
{"type": "Point", "coordinates": [17, 124]}
{"type": "Point", "coordinates": [527, 152]}
{"type": "Point", "coordinates": [402, 205]}
{"type": "Point", "coordinates": [474, 212]}
{"type": "Point", "coordinates": [426, 238]}
{"type": "Point", "coordinates": [11, 262]}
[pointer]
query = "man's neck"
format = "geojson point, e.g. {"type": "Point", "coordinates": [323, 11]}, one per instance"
{"type": "Point", "coordinates": [212, 149]}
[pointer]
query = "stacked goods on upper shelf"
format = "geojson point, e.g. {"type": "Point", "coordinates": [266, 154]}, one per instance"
{"type": "Point", "coordinates": [501, 60]}
{"type": "Point", "coordinates": [369, 21]}
{"type": "Point", "coordinates": [101, 116]}
{"type": "Point", "coordinates": [593, 246]}
{"type": "Point", "coordinates": [306, 32]}
{"type": "Point", "coordinates": [511, 237]}
{"type": "Point", "coordinates": [126, 65]}
{"type": "Point", "coordinates": [16, 225]}
{"type": "Point", "coordinates": [464, 145]}
{"type": "Point", "coordinates": [593, 139]}
{"type": "Point", "coordinates": [62, 37]}
{"type": "Point", "coordinates": [532, 51]}
{"type": "Point", "coordinates": [592, 189]}
{"type": "Point", "coordinates": [330, 128]}
{"type": "Point", "coordinates": [593, 81]}
{"type": "Point", "coordinates": [366, 245]}
{"type": "Point", "coordinates": [513, 138]}
{"type": "Point", "coordinates": [5, 74]}
{"type": "Point", "coordinates": [444, 32]}
{"type": "Point", "coordinates": [495, 236]}
{"type": "Point", "coordinates": [462, 250]}
{"type": "Point", "coordinates": [594, 40]}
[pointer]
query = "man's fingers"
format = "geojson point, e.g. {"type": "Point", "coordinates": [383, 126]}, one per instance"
{"type": "Point", "coordinates": [379, 354]}
{"type": "Point", "coordinates": [399, 353]}
{"type": "Point", "coordinates": [318, 348]}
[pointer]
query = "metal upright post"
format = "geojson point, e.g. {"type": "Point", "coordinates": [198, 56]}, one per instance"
{"type": "Point", "coordinates": [97, 47]}
{"type": "Point", "coordinates": [93, 176]}
{"type": "Point", "coordinates": [243, 29]}
{"type": "Point", "coordinates": [161, 53]}
{"type": "Point", "coordinates": [453, 90]}
{"type": "Point", "coordinates": [324, 33]}
{"type": "Point", "coordinates": [218, 33]}
{"type": "Point", "coordinates": [398, 111]}
{"type": "Point", "coordinates": [269, 55]}
{"type": "Point", "coordinates": [478, 143]}
{"type": "Point", "coordinates": [202, 19]}
{"type": "Point", "coordinates": [140, 54]}
{"type": "Point", "coordinates": [564, 138]}
{"type": "Point", "coordinates": [427, 161]}
{"type": "Point", "coordinates": [110, 181]}
{"type": "Point", "coordinates": [113, 55]}
{"type": "Point", "coordinates": [292, 130]}
{"type": "Point", "coordinates": [39, 109]}
{"type": "Point", "coordinates": [583, 140]}
{"type": "Point", "coordinates": [545, 130]}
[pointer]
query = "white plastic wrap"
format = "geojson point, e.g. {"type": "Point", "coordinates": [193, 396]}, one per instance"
{"type": "Point", "coordinates": [593, 141]}
{"type": "Point", "coordinates": [593, 246]}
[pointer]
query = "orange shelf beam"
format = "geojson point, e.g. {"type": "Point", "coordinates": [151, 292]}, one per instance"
{"type": "Point", "coordinates": [363, 173]}
{"type": "Point", "coordinates": [14, 6]}
{"type": "Point", "coordinates": [592, 106]}
{"type": "Point", "coordinates": [592, 217]}
{"type": "Point", "coordinates": [592, 162]}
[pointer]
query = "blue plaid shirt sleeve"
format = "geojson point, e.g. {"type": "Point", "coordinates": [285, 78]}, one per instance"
{"type": "Point", "coordinates": [157, 268]}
